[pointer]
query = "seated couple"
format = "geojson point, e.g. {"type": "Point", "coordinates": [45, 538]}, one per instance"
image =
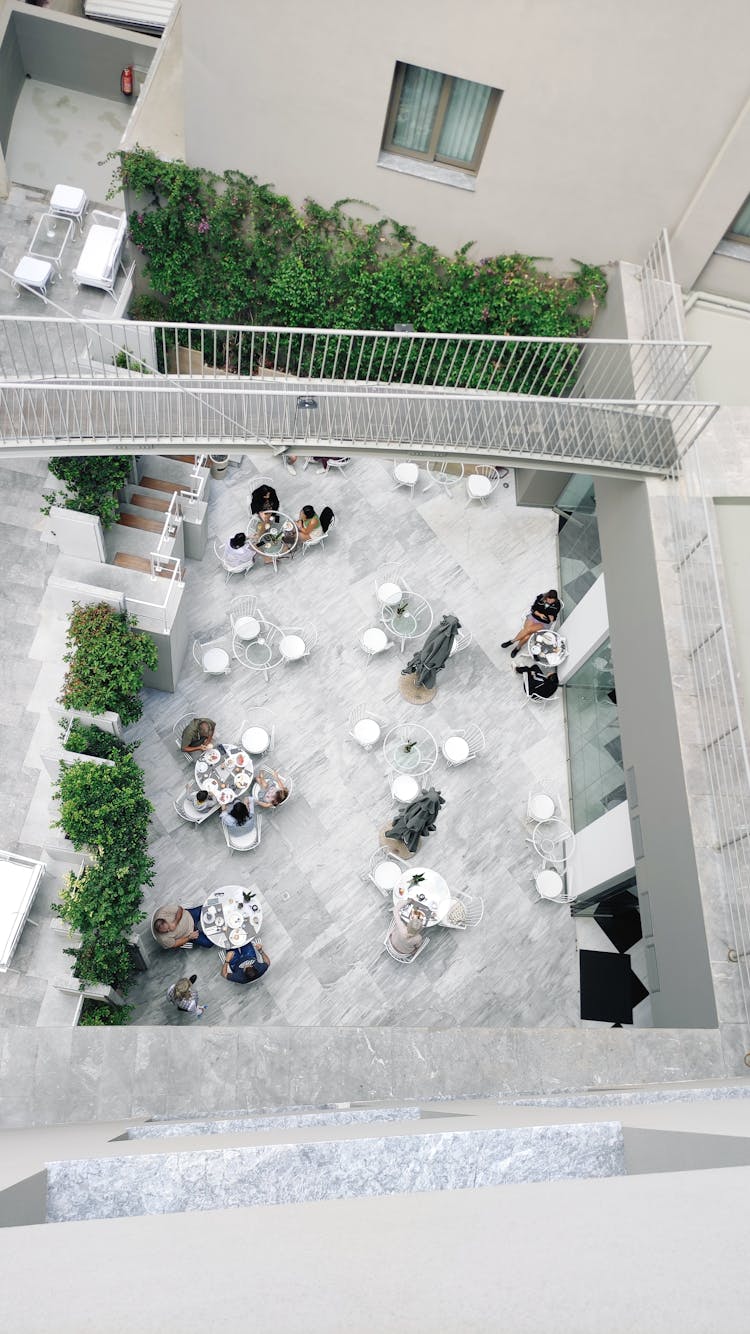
{"type": "Point", "coordinates": [247, 964]}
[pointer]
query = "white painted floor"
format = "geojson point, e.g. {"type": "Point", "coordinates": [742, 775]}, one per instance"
{"type": "Point", "coordinates": [60, 136]}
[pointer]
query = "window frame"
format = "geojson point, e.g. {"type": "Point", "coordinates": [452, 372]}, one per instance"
{"type": "Point", "coordinates": [431, 154]}
{"type": "Point", "coordinates": [740, 237]}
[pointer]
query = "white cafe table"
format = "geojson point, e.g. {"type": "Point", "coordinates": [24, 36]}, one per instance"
{"type": "Point", "coordinates": [228, 920]}
{"type": "Point", "coordinates": [367, 731]}
{"type": "Point", "coordinates": [226, 774]}
{"type": "Point", "coordinates": [547, 647]}
{"type": "Point", "coordinates": [431, 893]}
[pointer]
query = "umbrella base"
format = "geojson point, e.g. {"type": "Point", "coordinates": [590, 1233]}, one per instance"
{"type": "Point", "coordinates": [394, 845]}
{"type": "Point", "coordinates": [412, 692]}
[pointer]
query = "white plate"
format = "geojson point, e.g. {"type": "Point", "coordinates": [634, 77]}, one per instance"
{"type": "Point", "coordinates": [213, 757]}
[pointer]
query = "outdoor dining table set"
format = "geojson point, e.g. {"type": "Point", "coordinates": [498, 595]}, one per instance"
{"type": "Point", "coordinates": [279, 539]}
{"type": "Point", "coordinates": [231, 916]}
{"type": "Point", "coordinates": [260, 645]}
{"type": "Point", "coordinates": [226, 772]}
{"type": "Point", "coordinates": [548, 648]}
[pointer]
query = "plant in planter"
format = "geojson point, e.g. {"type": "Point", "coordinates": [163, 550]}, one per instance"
{"type": "Point", "coordinates": [99, 1013]}
{"type": "Point", "coordinates": [92, 483]}
{"type": "Point", "coordinates": [107, 659]}
{"type": "Point", "coordinates": [87, 739]}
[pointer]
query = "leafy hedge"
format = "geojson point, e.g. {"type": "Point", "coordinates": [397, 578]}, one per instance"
{"type": "Point", "coordinates": [101, 1013]}
{"type": "Point", "coordinates": [87, 739]}
{"type": "Point", "coordinates": [105, 809]}
{"type": "Point", "coordinates": [107, 658]}
{"type": "Point", "coordinates": [228, 250]}
{"type": "Point", "coordinates": [91, 483]}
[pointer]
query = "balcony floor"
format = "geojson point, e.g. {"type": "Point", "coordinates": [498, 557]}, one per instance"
{"type": "Point", "coordinates": [60, 136]}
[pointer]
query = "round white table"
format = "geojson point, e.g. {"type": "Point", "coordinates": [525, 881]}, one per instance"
{"type": "Point", "coordinates": [432, 893]}
{"type": "Point", "coordinates": [275, 539]}
{"type": "Point", "coordinates": [292, 647]}
{"type": "Point", "coordinates": [405, 788]}
{"type": "Point", "coordinates": [547, 647]}
{"type": "Point", "coordinates": [367, 731]}
{"type": "Point", "coordinates": [456, 749]}
{"type": "Point", "coordinates": [554, 840]}
{"type": "Point", "coordinates": [422, 752]}
{"type": "Point", "coordinates": [247, 628]}
{"type": "Point", "coordinates": [215, 661]}
{"type": "Point", "coordinates": [261, 654]}
{"type": "Point", "coordinates": [414, 618]}
{"type": "Point", "coordinates": [255, 740]}
{"type": "Point", "coordinates": [406, 473]}
{"type": "Point", "coordinates": [478, 485]}
{"type": "Point", "coordinates": [228, 920]}
{"type": "Point", "coordinates": [541, 806]}
{"type": "Point", "coordinates": [549, 883]}
{"type": "Point", "coordinates": [227, 774]}
{"type": "Point", "coordinates": [387, 875]}
{"type": "Point", "coordinates": [374, 640]}
{"type": "Point", "coordinates": [389, 595]}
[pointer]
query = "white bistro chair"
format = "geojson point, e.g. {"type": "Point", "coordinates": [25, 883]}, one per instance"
{"type": "Point", "coordinates": [257, 733]}
{"type": "Point", "coordinates": [229, 570]}
{"type": "Point", "coordinates": [177, 732]}
{"type": "Point", "coordinates": [445, 476]}
{"type": "Point", "coordinates": [211, 656]}
{"type": "Point", "coordinates": [236, 841]}
{"type": "Point", "coordinates": [244, 615]}
{"type": "Point", "coordinates": [255, 482]}
{"type": "Point", "coordinates": [390, 582]}
{"type": "Point", "coordinates": [404, 787]}
{"type": "Point", "coordinates": [186, 809]}
{"type": "Point", "coordinates": [532, 699]}
{"type": "Point", "coordinates": [406, 474]}
{"type": "Point", "coordinates": [466, 910]}
{"type": "Point", "coordinates": [463, 744]}
{"type": "Point", "coordinates": [481, 483]}
{"type": "Point", "coordinates": [374, 640]}
{"type": "Point", "coordinates": [364, 727]}
{"type": "Point", "coordinates": [462, 641]}
{"type": "Point", "coordinates": [542, 803]}
{"type": "Point", "coordinates": [297, 643]}
{"type": "Point", "coordinates": [394, 954]}
{"type": "Point", "coordinates": [550, 884]}
{"type": "Point", "coordinates": [319, 537]}
{"type": "Point", "coordinates": [385, 871]}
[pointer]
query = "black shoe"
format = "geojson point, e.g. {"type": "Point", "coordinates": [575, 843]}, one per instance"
{"type": "Point", "coordinates": [516, 650]}
{"type": "Point", "coordinates": [506, 643]}
{"type": "Point", "coordinates": [520, 670]}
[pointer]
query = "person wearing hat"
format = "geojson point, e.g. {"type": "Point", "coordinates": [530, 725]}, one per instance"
{"type": "Point", "coordinates": [182, 995]}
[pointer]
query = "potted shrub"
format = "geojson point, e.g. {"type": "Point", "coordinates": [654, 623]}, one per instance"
{"type": "Point", "coordinates": [107, 659]}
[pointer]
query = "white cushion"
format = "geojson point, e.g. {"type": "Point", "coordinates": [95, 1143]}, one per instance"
{"type": "Point", "coordinates": [389, 595]}
{"type": "Point", "coordinates": [406, 472]}
{"type": "Point", "coordinates": [405, 788]}
{"type": "Point", "coordinates": [34, 272]}
{"type": "Point", "coordinates": [549, 883]}
{"type": "Point", "coordinates": [101, 251]}
{"type": "Point", "coordinates": [68, 199]}
{"type": "Point", "coordinates": [386, 875]}
{"type": "Point", "coordinates": [246, 627]}
{"type": "Point", "coordinates": [541, 807]}
{"type": "Point", "coordinates": [292, 647]}
{"type": "Point", "coordinates": [215, 660]}
{"type": "Point", "coordinates": [375, 640]}
{"type": "Point", "coordinates": [456, 749]}
{"type": "Point", "coordinates": [479, 485]}
{"type": "Point", "coordinates": [255, 740]}
{"type": "Point", "coordinates": [366, 731]}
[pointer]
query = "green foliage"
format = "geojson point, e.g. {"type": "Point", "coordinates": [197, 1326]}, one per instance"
{"type": "Point", "coordinates": [130, 363]}
{"type": "Point", "coordinates": [85, 739]}
{"type": "Point", "coordinates": [226, 249]}
{"type": "Point", "coordinates": [100, 1013]}
{"type": "Point", "coordinates": [105, 809]}
{"type": "Point", "coordinates": [107, 659]}
{"type": "Point", "coordinates": [92, 483]}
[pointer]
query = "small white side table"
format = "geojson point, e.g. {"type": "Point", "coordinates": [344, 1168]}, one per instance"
{"type": "Point", "coordinates": [69, 202]}
{"type": "Point", "coordinates": [33, 273]}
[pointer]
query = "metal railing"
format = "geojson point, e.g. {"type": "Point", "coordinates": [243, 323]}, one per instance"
{"type": "Point", "coordinates": [166, 574]}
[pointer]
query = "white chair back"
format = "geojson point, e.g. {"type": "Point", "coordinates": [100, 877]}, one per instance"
{"type": "Point", "coordinates": [236, 841]}
{"type": "Point", "coordinates": [394, 953]}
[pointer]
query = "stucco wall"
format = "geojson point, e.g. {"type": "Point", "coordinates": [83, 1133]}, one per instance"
{"type": "Point", "coordinates": [603, 135]}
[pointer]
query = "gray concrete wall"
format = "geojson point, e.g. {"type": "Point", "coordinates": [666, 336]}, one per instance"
{"type": "Point", "coordinates": [604, 134]}
{"type": "Point", "coordinates": [666, 872]}
{"type": "Point", "coordinates": [74, 53]}
{"type": "Point", "coordinates": [724, 276]}
{"type": "Point", "coordinates": [12, 74]}
{"type": "Point", "coordinates": [538, 486]}
{"type": "Point", "coordinates": [649, 1150]}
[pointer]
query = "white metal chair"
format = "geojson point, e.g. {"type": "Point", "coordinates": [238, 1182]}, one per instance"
{"type": "Point", "coordinates": [462, 641]}
{"type": "Point", "coordinates": [385, 870]}
{"type": "Point", "coordinates": [318, 541]}
{"type": "Point", "coordinates": [465, 743]}
{"type": "Point", "coordinates": [364, 727]}
{"type": "Point", "coordinates": [155, 934]}
{"type": "Point", "coordinates": [466, 910]}
{"type": "Point", "coordinates": [186, 809]}
{"type": "Point", "coordinates": [403, 787]}
{"type": "Point", "coordinates": [255, 482]}
{"type": "Point", "coordinates": [550, 884]}
{"type": "Point", "coordinates": [390, 581]}
{"type": "Point", "coordinates": [438, 475]}
{"type": "Point", "coordinates": [481, 483]}
{"type": "Point", "coordinates": [236, 841]}
{"type": "Point", "coordinates": [406, 473]}
{"type": "Point", "coordinates": [229, 570]}
{"type": "Point", "coordinates": [338, 464]}
{"type": "Point", "coordinates": [244, 607]}
{"type": "Point", "coordinates": [297, 643]}
{"type": "Point", "coordinates": [177, 732]}
{"type": "Point", "coordinates": [533, 699]}
{"type": "Point", "coordinates": [394, 953]}
{"type": "Point", "coordinates": [288, 781]}
{"type": "Point", "coordinates": [374, 641]}
{"type": "Point", "coordinates": [211, 656]}
{"type": "Point", "coordinates": [542, 802]}
{"type": "Point", "coordinates": [257, 733]}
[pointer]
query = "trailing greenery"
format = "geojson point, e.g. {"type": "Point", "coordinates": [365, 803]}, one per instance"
{"type": "Point", "coordinates": [91, 483]}
{"type": "Point", "coordinates": [107, 658]}
{"type": "Point", "coordinates": [105, 809]}
{"type": "Point", "coordinates": [87, 739]}
{"type": "Point", "coordinates": [100, 1013]}
{"type": "Point", "coordinates": [225, 249]}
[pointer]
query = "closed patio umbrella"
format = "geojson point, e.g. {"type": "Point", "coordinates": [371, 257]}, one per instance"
{"type": "Point", "coordinates": [416, 820]}
{"type": "Point", "coordinates": [434, 653]}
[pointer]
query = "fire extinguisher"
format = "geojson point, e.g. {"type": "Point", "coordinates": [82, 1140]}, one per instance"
{"type": "Point", "coordinates": [126, 81]}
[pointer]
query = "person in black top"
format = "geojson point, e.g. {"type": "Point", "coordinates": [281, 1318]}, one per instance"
{"type": "Point", "coordinates": [264, 500]}
{"type": "Point", "coordinates": [543, 613]}
{"type": "Point", "coordinates": [539, 686]}
{"type": "Point", "coordinates": [247, 964]}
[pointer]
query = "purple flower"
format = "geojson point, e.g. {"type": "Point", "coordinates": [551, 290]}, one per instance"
{"type": "Point", "coordinates": [203, 226]}
{"type": "Point", "coordinates": [486, 313]}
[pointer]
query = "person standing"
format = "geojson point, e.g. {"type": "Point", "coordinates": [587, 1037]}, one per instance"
{"type": "Point", "coordinates": [182, 993]}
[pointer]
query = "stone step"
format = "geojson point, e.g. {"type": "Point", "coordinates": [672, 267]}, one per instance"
{"type": "Point", "coordinates": [145, 501]}
{"type": "Point", "coordinates": [126, 520]}
{"type": "Point", "coordinates": [147, 1184]}
{"type": "Point", "coordinates": [279, 1121]}
{"type": "Point", "coordinates": [127, 560]}
{"type": "Point", "coordinates": [633, 1097]}
{"type": "Point", "coordinates": [160, 484]}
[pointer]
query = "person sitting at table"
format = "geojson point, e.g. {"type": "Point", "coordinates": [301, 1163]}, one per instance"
{"type": "Point", "coordinates": [543, 613]}
{"type": "Point", "coordinates": [240, 816]}
{"type": "Point", "coordinates": [540, 686]}
{"type": "Point", "coordinates": [201, 801]}
{"type": "Point", "coordinates": [175, 927]}
{"type": "Point", "coordinates": [245, 965]}
{"type": "Point", "coordinates": [270, 789]}
{"type": "Point", "coordinates": [238, 552]}
{"type": "Point", "coordinates": [312, 527]}
{"type": "Point", "coordinates": [406, 937]}
{"type": "Point", "coordinates": [264, 500]}
{"type": "Point", "coordinates": [198, 735]}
